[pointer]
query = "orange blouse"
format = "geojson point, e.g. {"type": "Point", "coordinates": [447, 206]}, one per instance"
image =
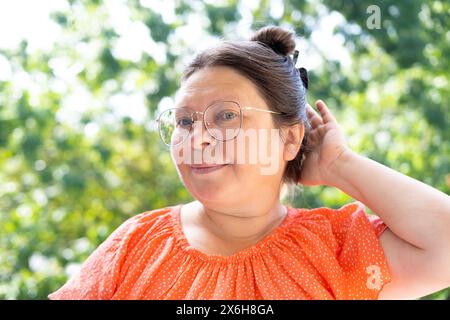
{"type": "Point", "coordinates": [319, 253]}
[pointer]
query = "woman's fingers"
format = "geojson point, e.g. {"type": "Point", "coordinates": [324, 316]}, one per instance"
{"type": "Point", "coordinates": [318, 121]}
{"type": "Point", "coordinates": [322, 129]}
{"type": "Point", "coordinates": [314, 118]}
{"type": "Point", "coordinates": [326, 114]}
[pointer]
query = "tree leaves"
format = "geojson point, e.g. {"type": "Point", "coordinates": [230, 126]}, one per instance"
{"type": "Point", "coordinates": [73, 168]}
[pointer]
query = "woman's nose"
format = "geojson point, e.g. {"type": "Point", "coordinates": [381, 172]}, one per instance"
{"type": "Point", "coordinates": [200, 137]}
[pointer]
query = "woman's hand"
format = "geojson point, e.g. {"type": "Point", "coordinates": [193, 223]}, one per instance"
{"type": "Point", "coordinates": [327, 143]}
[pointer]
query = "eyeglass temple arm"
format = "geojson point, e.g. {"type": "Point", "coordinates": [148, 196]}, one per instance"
{"type": "Point", "coordinates": [262, 110]}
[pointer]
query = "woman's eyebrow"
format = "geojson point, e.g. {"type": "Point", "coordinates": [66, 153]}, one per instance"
{"type": "Point", "coordinates": [181, 105]}
{"type": "Point", "coordinates": [193, 107]}
{"type": "Point", "coordinates": [185, 107]}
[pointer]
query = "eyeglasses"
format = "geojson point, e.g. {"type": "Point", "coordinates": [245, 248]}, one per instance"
{"type": "Point", "coordinates": [222, 119]}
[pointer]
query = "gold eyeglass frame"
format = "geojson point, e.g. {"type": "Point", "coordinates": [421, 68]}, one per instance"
{"type": "Point", "coordinates": [241, 109]}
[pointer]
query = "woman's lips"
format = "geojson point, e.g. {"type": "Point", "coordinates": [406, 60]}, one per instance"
{"type": "Point", "coordinates": [206, 168]}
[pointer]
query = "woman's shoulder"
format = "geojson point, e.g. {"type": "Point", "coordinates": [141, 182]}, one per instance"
{"type": "Point", "coordinates": [340, 220]}
{"type": "Point", "coordinates": [101, 272]}
{"type": "Point", "coordinates": [325, 214]}
{"type": "Point", "coordinates": [153, 220]}
{"type": "Point", "coordinates": [345, 209]}
{"type": "Point", "coordinates": [342, 243]}
{"type": "Point", "coordinates": [141, 231]}
{"type": "Point", "coordinates": [154, 215]}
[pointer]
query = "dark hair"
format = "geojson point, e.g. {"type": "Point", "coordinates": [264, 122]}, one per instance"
{"type": "Point", "coordinates": [265, 60]}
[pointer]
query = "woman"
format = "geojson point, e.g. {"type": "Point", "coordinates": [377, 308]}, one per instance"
{"type": "Point", "coordinates": [237, 241]}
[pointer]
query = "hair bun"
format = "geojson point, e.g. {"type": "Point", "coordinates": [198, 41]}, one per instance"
{"type": "Point", "coordinates": [278, 39]}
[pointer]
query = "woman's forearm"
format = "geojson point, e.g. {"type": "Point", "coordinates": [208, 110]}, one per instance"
{"type": "Point", "coordinates": [414, 211]}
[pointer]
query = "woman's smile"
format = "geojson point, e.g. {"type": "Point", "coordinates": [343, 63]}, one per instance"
{"type": "Point", "coordinates": [206, 168]}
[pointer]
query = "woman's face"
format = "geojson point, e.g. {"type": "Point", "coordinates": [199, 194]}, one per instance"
{"type": "Point", "coordinates": [254, 166]}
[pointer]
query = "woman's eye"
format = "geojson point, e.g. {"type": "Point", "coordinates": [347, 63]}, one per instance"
{"type": "Point", "coordinates": [184, 122]}
{"type": "Point", "coordinates": [227, 115]}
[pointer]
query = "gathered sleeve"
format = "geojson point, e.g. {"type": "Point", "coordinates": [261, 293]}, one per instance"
{"type": "Point", "coordinates": [360, 255]}
{"type": "Point", "coordinates": [97, 278]}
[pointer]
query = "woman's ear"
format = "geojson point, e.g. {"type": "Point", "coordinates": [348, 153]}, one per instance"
{"type": "Point", "coordinates": [292, 137]}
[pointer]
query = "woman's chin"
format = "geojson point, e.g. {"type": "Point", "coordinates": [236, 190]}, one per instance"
{"type": "Point", "coordinates": [209, 186]}
{"type": "Point", "coordinates": [207, 194]}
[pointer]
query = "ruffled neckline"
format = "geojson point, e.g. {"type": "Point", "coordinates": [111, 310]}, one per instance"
{"type": "Point", "coordinates": [249, 252]}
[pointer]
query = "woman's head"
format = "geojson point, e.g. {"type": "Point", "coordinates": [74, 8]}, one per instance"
{"type": "Point", "coordinates": [260, 74]}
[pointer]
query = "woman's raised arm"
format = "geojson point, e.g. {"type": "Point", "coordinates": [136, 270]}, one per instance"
{"type": "Point", "coordinates": [417, 241]}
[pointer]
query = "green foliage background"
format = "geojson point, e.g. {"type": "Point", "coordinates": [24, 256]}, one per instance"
{"type": "Point", "coordinates": [64, 190]}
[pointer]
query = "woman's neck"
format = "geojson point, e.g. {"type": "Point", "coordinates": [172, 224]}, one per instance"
{"type": "Point", "coordinates": [241, 227]}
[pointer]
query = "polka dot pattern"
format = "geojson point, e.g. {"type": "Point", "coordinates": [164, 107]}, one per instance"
{"type": "Point", "coordinates": [319, 253]}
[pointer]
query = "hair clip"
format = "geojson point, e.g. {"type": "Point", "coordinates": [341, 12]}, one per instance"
{"type": "Point", "coordinates": [296, 52]}
{"type": "Point", "coordinates": [304, 76]}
